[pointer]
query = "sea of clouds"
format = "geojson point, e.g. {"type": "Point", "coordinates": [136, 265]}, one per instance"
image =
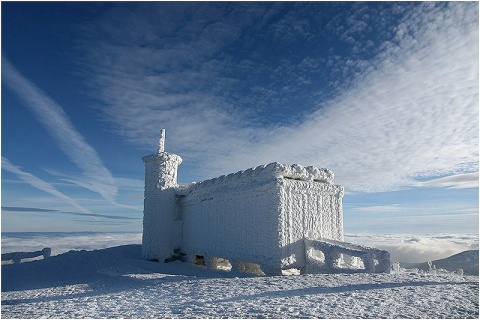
{"type": "Point", "coordinates": [417, 248]}
{"type": "Point", "coordinates": [402, 247]}
{"type": "Point", "coordinates": [61, 242]}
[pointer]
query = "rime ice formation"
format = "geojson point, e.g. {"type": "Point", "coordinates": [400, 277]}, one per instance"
{"type": "Point", "coordinates": [331, 261]}
{"type": "Point", "coordinates": [256, 217]}
{"type": "Point", "coordinates": [17, 257]}
{"type": "Point", "coordinates": [161, 142]}
{"type": "Point", "coordinates": [160, 202]}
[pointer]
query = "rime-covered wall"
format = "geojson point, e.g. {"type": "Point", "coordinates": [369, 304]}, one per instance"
{"type": "Point", "coordinates": [233, 220]}
{"type": "Point", "coordinates": [159, 205]}
{"type": "Point", "coordinates": [261, 214]}
{"type": "Point", "coordinates": [307, 208]}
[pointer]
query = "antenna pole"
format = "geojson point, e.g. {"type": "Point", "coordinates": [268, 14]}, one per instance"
{"type": "Point", "coordinates": [161, 142]}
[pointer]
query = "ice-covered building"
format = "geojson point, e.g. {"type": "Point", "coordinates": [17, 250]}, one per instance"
{"type": "Point", "coordinates": [265, 216]}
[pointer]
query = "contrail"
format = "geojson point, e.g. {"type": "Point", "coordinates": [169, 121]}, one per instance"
{"type": "Point", "coordinates": [40, 184]}
{"type": "Point", "coordinates": [52, 116]}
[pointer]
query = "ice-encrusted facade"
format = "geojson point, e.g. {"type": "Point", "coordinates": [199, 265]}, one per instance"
{"type": "Point", "coordinates": [258, 216]}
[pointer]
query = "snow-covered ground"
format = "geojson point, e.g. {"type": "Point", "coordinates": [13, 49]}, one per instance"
{"type": "Point", "coordinates": [117, 283]}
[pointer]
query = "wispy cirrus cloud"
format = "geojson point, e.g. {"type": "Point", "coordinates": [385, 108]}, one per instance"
{"type": "Point", "coordinates": [41, 210]}
{"type": "Point", "coordinates": [27, 209]}
{"type": "Point", "coordinates": [41, 184]}
{"type": "Point", "coordinates": [378, 209]}
{"type": "Point", "coordinates": [96, 176]}
{"type": "Point", "coordinates": [119, 183]}
{"type": "Point", "coordinates": [406, 112]}
{"type": "Point", "coordinates": [458, 181]}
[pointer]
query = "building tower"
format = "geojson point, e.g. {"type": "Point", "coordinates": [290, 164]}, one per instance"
{"type": "Point", "coordinates": [159, 203]}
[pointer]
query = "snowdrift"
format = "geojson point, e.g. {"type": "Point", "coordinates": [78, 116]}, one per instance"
{"type": "Point", "coordinates": [118, 283]}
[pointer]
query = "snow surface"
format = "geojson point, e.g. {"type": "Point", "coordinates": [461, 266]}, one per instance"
{"type": "Point", "coordinates": [118, 283]}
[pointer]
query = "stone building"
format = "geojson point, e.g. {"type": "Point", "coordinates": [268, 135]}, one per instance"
{"type": "Point", "coordinates": [257, 218]}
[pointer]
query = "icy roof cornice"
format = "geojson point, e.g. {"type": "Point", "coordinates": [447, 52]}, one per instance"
{"type": "Point", "coordinates": [164, 156]}
{"type": "Point", "coordinates": [275, 169]}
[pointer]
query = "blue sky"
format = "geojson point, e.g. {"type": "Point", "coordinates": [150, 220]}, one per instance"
{"type": "Point", "coordinates": [383, 94]}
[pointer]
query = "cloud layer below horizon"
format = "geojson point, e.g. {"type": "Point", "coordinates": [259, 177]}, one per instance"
{"type": "Point", "coordinates": [417, 248]}
{"type": "Point", "coordinates": [402, 247]}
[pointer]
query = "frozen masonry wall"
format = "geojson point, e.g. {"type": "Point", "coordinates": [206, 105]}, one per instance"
{"type": "Point", "coordinates": [261, 215]}
{"type": "Point", "coordinates": [159, 203]}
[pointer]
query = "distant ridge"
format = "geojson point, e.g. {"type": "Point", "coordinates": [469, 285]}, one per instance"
{"type": "Point", "coordinates": [466, 260]}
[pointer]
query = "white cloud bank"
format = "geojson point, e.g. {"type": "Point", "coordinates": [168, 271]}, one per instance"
{"type": "Point", "coordinates": [61, 242]}
{"type": "Point", "coordinates": [402, 247]}
{"type": "Point", "coordinates": [410, 114]}
{"type": "Point", "coordinates": [417, 248]}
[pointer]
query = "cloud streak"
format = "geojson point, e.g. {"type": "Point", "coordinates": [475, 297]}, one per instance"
{"type": "Point", "coordinates": [379, 209]}
{"type": "Point", "coordinates": [40, 210]}
{"type": "Point", "coordinates": [27, 209]}
{"type": "Point", "coordinates": [40, 184]}
{"type": "Point", "coordinates": [86, 184]}
{"type": "Point", "coordinates": [96, 176]}
{"type": "Point", "coordinates": [459, 181]}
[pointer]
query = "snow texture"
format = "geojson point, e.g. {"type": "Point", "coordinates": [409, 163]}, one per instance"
{"type": "Point", "coordinates": [258, 216]}
{"type": "Point", "coordinates": [118, 283]}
